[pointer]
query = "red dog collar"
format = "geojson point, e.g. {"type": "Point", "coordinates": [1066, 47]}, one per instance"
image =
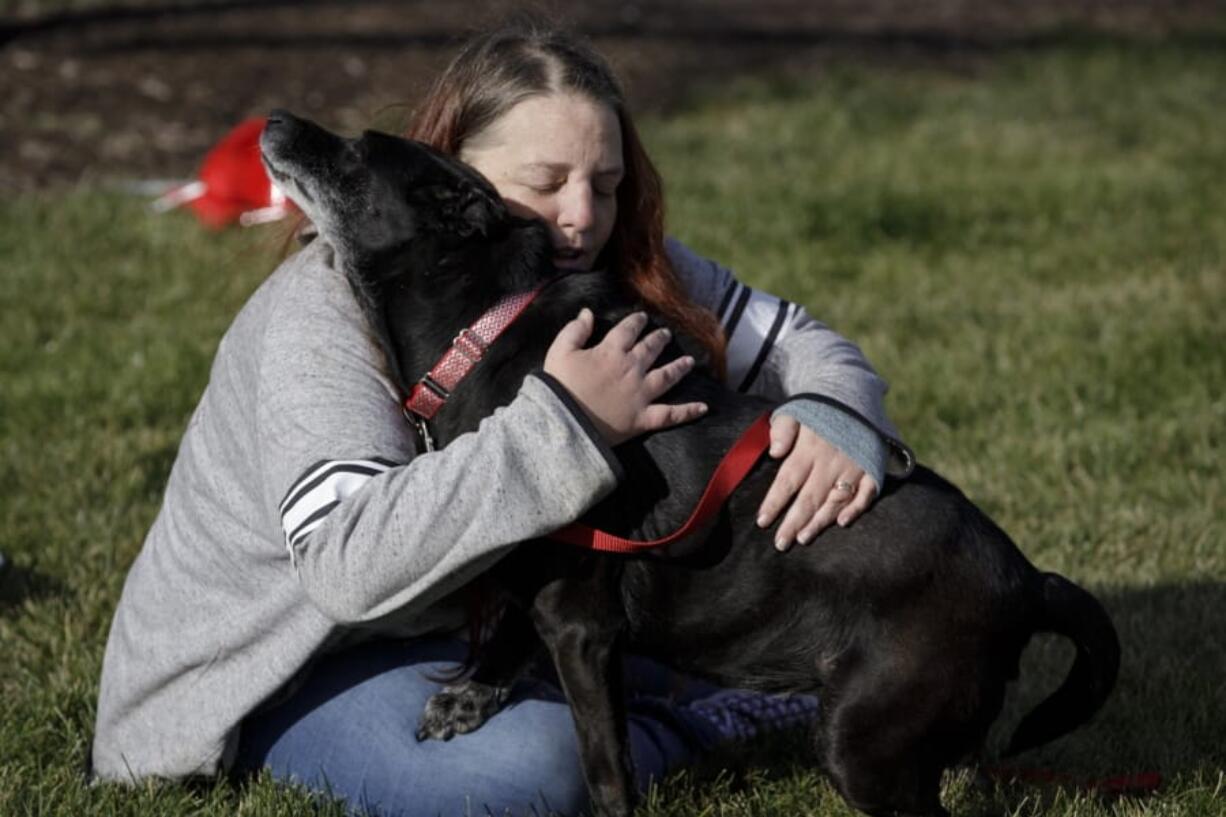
{"type": "Point", "coordinates": [430, 392]}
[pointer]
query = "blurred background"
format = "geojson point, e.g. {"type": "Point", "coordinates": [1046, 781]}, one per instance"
{"type": "Point", "coordinates": [92, 90]}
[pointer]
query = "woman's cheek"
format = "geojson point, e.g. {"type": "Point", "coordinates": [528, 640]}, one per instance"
{"type": "Point", "coordinates": [527, 205]}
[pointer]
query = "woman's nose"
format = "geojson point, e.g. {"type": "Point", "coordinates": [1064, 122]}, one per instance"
{"type": "Point", "coordinates": [577, 211]}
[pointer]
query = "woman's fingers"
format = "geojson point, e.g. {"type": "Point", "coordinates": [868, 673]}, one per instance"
{"type": "Point", "coordinates": [788, 480]}
{"type": "Point", "coordinates": [864, 497]}
{"type": "Point", "coordinates": [815, 509]}
{"type": "Point", "coordinates": [804, 505]}
{"type": "Point", "coordinates": [784, 430]}
{"type": "Point", "coordinates": [649, 348]}
{"type": "Point", "coordinates": [816, 483]}
{"type": "Point", "coordinates": [614, 382]}
{"type": "Point", "coordinates": [838, 495]}
{"type": "Point", "coordinates": [662, 378]}
{"type": "Point", "coordinates": [659, 380]}
{"type": "Point", "coordinates": [662, 415]}
{"type": "Point", "coordinates": [625, 334]}
{"type": "Point", "coordinates": [574, 334]}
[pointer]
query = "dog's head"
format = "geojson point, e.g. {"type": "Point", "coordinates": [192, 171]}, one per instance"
{"type": "Point", "coordinates": [389, 207]}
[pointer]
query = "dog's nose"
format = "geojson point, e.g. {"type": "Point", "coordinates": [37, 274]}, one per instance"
{"type": "Point", "coordinates": [280, 127]}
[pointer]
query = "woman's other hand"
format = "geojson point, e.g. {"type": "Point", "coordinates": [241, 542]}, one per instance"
{"type": "Point", "coordinates": [614, 381]}
{"type": "Point", "coordinates": [817, 483]}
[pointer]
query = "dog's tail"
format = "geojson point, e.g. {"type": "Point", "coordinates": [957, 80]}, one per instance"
{"type": "Point", "coordinates": [1068, 610]}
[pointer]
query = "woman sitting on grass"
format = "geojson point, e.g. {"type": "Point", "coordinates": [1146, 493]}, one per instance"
{"type": "Point", "coordinates": [298, 590]}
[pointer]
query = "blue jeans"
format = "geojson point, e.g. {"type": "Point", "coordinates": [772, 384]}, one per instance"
{"type": "Point", "coordinates": [349, 731]}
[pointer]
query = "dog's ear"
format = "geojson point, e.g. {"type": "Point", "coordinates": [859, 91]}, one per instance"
{"type": "Point", "coordinates": [476, 213]}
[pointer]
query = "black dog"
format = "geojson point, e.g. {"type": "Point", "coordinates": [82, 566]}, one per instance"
{"type": "Point", "coordinates": [908, 624]}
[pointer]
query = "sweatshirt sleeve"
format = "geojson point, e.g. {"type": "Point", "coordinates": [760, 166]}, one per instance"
{"type": "Point", "coordinates": [370, 526]}
{"type": "Point", "coordinates": [778, 350]}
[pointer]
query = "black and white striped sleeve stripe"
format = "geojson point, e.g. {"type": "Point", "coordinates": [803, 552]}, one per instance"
{"type": "Point", "coordinates": [320, 489]}
{"type": "Point", "coordinates": [753, 322]}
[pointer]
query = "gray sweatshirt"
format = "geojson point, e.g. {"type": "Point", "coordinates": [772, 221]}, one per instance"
{"type": "Point", "coordinates": [298, 518]}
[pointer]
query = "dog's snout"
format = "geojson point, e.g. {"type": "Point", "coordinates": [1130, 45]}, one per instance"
{"type": "Point", "coordinates": [278, 117]}
{"type": "Point", "coordinates": [281, 129]}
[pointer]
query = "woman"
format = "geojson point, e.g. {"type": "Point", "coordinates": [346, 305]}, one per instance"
{"type": "Point", "coordinates": [298, 589]}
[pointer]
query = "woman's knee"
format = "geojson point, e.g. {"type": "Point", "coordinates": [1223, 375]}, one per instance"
{"type": "Point", "coordinates": [524, 760]}
{"type": "Point", "coordinates": [352, 735]}
{"type": "Point", "coordinates": [350, 731]}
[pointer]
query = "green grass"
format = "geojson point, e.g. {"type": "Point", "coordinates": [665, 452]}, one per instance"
{"type": "Point", "coordinates": [1034, 256]}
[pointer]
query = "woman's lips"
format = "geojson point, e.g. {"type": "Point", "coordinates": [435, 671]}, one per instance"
{"type": "Point", "coordinates": [568, 257]}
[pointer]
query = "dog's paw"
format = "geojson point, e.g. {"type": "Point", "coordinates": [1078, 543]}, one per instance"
{"type": "Point", "coordinates": [459, 709]}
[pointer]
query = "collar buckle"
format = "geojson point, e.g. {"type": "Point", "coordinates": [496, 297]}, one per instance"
{"type": "Point", "coordinates": [469, 344]}
{"type": "Point", "coordinates": [434, 386]}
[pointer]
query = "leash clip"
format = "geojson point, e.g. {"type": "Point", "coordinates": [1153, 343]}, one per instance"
{"type": "Point", "coordinates": [423, 430]}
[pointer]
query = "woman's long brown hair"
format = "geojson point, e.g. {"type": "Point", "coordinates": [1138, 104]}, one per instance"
{"type": "Point", "coordinates": [497, 70]}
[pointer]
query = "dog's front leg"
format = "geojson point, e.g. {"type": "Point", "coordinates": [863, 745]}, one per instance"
{"type": "Point", "coordinates": [464, 706]}
{"type": "Point", "coordinates": [581, 622]}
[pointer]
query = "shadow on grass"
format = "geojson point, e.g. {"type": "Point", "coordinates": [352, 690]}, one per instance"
{"type": "Point", "coordinates": [1163, 718]}
{"type": "Point", "coordinates": [1166, 712]}
{"type": "Point", "coordinates": [20, 584]}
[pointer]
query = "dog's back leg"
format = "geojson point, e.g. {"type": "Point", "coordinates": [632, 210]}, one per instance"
{"type": "Point", "coordinates": [883, 737]}
{"type": "Point", "coordinates": [879, 773]}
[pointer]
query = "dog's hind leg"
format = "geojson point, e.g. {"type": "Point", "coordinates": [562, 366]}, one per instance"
{"type": "Point", "coordinates": [882, 741]}
{"type": "Point", "coordinates": [877, 774]}
{"type": "Point", "coordinates": [464, 706]}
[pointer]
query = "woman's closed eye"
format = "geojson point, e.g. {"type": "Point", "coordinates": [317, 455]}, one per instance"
{"type": "Point", "coordinates": [545, 187]}
{"type": "Point", "coordinates": [604, 186]}
{"type": "Point", "coordinates": [606, 183]}
{"type": "Point", "coordinates": [542, 182]}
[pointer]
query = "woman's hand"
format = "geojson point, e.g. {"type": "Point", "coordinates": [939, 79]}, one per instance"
{"type": "Point", "coordinates": [613, 381]}
{"type": "Point", "coordinates": [821, 483]}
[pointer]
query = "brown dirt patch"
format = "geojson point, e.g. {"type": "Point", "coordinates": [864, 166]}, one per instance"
{"type": "Point", "coordinates": [137, 91]}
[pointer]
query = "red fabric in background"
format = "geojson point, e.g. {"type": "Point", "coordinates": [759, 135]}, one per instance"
{"type": "Point", "coordinates": [232, 185]}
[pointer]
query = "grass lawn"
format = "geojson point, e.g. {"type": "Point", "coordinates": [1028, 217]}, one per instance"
{"type": "Point", "coordinates": [1034, 255]}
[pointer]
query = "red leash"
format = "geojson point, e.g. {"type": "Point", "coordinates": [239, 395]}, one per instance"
{"type": "Point", "coordinates": [1124, 784]}
{"type": "Point", "coordinates": [733, 468]}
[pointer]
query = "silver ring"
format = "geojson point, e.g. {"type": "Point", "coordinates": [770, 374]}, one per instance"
{"type": "Point", "coordinates": [844, 485]}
